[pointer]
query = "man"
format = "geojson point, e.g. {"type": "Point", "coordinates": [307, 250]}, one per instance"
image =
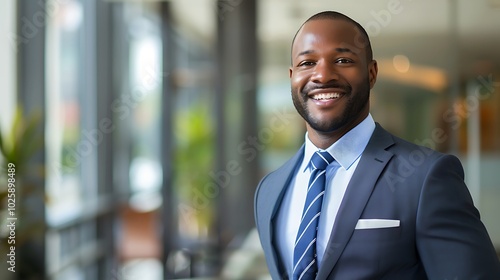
{"type": "Point", "coordinates": [356, 202]}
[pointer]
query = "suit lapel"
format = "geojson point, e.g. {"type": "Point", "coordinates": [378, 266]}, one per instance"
{"type": "Point", "coordinates": [371, 164]}
{"type": "Point", "coordinates": [269, 202]}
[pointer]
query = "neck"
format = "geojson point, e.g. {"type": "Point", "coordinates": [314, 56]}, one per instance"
{"type": "Point", "coordinates": [323, 140]}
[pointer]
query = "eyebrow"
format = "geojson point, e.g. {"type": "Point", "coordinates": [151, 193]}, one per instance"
{"type": "Point", "coordinates": [340, 50]}
{"type": "Point", "coordinates": [305, 52]}
{"type": "Point", "coordinates": [345, 50]}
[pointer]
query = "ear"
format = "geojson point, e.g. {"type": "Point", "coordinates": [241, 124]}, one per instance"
{"type": "Point", "coordinates": [372, 72]}
{"type": "Point", "coordinates": [290, 72]}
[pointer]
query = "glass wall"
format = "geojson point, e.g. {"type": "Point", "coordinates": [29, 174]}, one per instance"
{"type": "Point", "coordinates": [74, 238]}
{"type": "Point", "coordinates": [136, 108]}
{"type": "Point", "coordinates": [65, 151]}
{"type": "Point", "coordinates": [144, 32]}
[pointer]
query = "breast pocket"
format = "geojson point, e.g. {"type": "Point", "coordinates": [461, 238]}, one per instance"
{"type": "Point", "coordinates": [376, 234]}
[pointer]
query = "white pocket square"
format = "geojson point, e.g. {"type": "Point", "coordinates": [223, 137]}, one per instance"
{"type": "Point", "coordinates": [376, 223]}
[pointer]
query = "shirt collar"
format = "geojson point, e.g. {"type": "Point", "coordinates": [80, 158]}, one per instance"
{"type": "Point", "coordinates": [348, 148]}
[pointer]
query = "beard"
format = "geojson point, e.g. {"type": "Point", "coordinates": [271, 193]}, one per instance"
{"type": "Point", "coordinates": [354, 105]}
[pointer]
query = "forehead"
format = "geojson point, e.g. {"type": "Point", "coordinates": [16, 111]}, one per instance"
{"type": "Point", "coordinates": [328, 33]}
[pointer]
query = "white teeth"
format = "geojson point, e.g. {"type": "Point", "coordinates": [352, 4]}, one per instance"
{"type": "Point", "coordinates": [322, 96]}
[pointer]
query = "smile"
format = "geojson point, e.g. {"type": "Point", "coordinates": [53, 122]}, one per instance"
{"type": "Point", "coordinates": [325, 96]}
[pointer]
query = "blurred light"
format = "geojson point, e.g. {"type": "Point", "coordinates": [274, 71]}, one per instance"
{"type": "Point", "coordinates": [72, 16]}
{"type": "Point", "coordinates": [145, 201]}
{"type": "Point", "coordinates": [145, 175]}
{"type": "Point", "coordinates": [495, 4]}
{"type": "Point", "coordinates": [431, 78]}
{"type": "Point", "coordinates": [401, 63]}
{"type": "Point", "coordinates": [144, 269]}
{"type": "Point", "coordinates": [179, 261]}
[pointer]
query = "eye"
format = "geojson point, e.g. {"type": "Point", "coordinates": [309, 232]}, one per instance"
{"type": "Point", "coordinates": [306, 63]}
{"type": "Point", "coordinates": [343, 61]}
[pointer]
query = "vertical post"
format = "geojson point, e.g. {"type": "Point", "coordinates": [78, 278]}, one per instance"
{"type": "Point", "coordinates": [236, 117]}
{"type": "Point", "coordinates": [249, 120]}
{"type": "Point", "coordinates": [31, 16]}
{"type": "Point", "coordinates": [220, 121]}
{"type": "Point", "coordinates": [169, 208]}
{"type": "Point", "coordinates": [102, 50]}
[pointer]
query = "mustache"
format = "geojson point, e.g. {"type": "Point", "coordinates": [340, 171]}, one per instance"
{"type": "Point", "coordinates": [332, 85]}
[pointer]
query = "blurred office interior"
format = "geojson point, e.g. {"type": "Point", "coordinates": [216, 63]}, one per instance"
{"type": "Point", "coordinates": [142, 127]}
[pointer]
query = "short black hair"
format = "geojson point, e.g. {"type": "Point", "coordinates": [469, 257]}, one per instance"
{"type": "Point", "coordinates": [339, 16]}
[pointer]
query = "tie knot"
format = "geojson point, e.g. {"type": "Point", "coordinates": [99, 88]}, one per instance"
{"type": "Point", "coordinates": [320, 160]}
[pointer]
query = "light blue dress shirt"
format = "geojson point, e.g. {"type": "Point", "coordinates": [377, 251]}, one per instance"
{"type": "Point", "coordinates": [347, 152]}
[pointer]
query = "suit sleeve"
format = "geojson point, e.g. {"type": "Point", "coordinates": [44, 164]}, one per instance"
{"type": "Point", "coordinates": [451, 239]}
{"type": "Point", "coordinates": [262, 206]}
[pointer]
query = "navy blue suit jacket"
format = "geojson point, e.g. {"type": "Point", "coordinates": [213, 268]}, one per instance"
{"type": "Point", "coordinates": [440, 235]}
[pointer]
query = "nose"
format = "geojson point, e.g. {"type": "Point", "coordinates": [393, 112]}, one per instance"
{"type": "Point", "coordinates": [324, 72]}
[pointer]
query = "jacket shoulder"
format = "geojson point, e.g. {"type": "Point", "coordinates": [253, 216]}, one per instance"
{"type": "Point", "coordinates": [276, 180]}
{"type": "Point", "coordinates": [281, 172]}
{"type": "Point", "coordinates": [400, 146]}
{"type": "Point", "coordinates": [416, 160]}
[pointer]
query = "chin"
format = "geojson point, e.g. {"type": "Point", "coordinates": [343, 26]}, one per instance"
{"type": "Point", "coordinates": [325, 126]}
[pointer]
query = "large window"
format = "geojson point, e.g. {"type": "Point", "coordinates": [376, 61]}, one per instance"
{"type": "Point", "coordinates": [67, 143]}
{"type": "Point", "coordinates": [77, 210]}
{"type": "Point", "coordinates": [136, 106]}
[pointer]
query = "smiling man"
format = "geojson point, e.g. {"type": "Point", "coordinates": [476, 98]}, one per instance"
{"type": "Point", "coordinates": [331, 77]}
{"type": "Point", "coordinates": [343, 207]}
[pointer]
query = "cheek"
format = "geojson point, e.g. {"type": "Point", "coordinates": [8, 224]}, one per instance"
{"type": "Point", "coordinates": [356, 78]}
{"type": "Point", "coordinates": [298, 80]}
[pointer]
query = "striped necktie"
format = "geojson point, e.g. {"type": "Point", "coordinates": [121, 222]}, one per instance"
{"type": "Point", "coordinates": [305, 263]}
